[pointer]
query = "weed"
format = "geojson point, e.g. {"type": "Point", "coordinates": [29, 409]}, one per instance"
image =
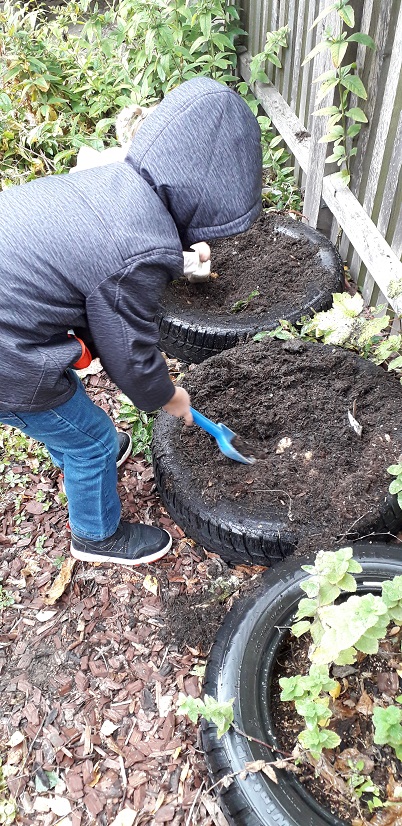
{"type": "Point", "coordinates": [142, 426]}
{"type": "Point", "coordinates": [243, 303]}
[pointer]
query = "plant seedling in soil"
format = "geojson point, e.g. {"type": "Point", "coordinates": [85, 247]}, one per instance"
{"type": "Point", "coordinates": [221, 714]}
{"type": "Point", "coordinates": [344, 633]}
{"type": "Point", "coordinates": [396, 484]}
{"type": "Point", "coordinates": [244, 302]}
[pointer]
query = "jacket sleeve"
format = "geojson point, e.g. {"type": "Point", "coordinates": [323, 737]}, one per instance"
{"type": "Point", "coordinates": [120, 315]}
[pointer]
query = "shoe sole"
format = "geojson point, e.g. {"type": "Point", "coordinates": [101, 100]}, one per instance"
{"type": "Point", "coordinates": [85, 556]}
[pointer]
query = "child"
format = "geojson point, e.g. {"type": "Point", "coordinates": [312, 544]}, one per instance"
{"type": "Point", "coordinates": [92, 252]}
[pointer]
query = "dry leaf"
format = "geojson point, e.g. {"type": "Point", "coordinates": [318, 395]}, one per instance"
{"type": "Point", "coordinates": [388, 817]}
{"type": "Point", "coordinates": [335, 692]}
{"type": "Point", "coordinates": [44, 616]}
{"type": "Point", "coordinates": [270, 772]}
{"type": "Point", "coordinates": [125, 818]}
{"type": "Point", "coordinates": [150, 583]}
{"type": "Point", "coordinates": [365, 705]}
{"type": "Point", "coordinates": [108, 728]}
{"type": "Point", "coordinates": [350, 757]}
{"type": "Point", "coordinates": [255, 766]}
{"type": "Point", "coordinates": [355, 424]}
{"type": "Point", "coordinates": [60, 583]}
{"type": "Point", "coordinates": [16, 739]}
{"type": "Point", "coordinates": [60, 806]}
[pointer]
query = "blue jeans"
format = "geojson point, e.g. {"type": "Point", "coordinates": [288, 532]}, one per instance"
{"type": "Point", "coordinates": [82, 441]}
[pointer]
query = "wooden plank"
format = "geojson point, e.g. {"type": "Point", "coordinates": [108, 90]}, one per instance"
{"type": "Point", "coordinates": [306, 93]}
{"type": "Point", "coordinates": [391, 184]}
{"type": "Point", "coordinates": [368, 242]}
{"type": "Point", "coordinates": [298, 56]}
{"type": "Point", "coordinates": [396, 242]}
{"type": "Point", "coordinates": [319, 151]}
{"type": "Point", "coordinates": [382, 130]}
{"type": "Point", "coordinates": [377, 62]}
{"type": "Point", "coordinates": [285, 58]}
{"type": "Point", "coordinates": [287, 72]}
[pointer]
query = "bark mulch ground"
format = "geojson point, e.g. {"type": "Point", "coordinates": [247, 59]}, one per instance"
{"type": "Point", "coordinates": [89, 681]}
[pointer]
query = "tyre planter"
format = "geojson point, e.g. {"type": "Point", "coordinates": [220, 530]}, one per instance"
{"type": "Point", "coordinates": [295, 269]}
{"type": "Point", "coordinates": [241, 665]}
{"type": "Point", "coordinates": [315, 480]}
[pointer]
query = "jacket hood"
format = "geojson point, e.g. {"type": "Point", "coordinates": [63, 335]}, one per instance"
{"type": "Point", "coordinates": [200, 151]}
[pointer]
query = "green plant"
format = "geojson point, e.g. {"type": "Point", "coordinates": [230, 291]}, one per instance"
{"type": "Point", "coordinates": [396, 484]}
{"type": "Point", "coordinates": [344, 123]}
{"type": "Point", "coordinates": [347, 324]}
{"type": "Point", "coordinates": [142, 426]}
{"type": "Point", "coordinates": [8, 806]}
{"type": "Point", "coordinates": [243, 303]}
{"type": "Point", "coordinates": [274, 42]}
{"type": "Point", "coordinates": [388, 727]}
{"type": "Point", "coordinates": [6, 599]}
{"type": "Point", "coordinates": [221, 714]}
{"type": "Point", "coordinates": [339, 631]}
{"type": "Point", "coordinates": [173, 41]}
{"type": "Point", "coordinates": [361, 784]}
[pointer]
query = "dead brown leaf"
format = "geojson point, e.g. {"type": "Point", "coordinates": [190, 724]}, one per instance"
{"type": "Point", "coordinates": [365, 705]}
{"type": "Point", "coordinates": [60, 583]}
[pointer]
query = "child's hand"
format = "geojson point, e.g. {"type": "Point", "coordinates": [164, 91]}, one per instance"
{"type": "Point", "coordinates": [179, 405]}
{"type": "Point", "coordinates": [204, 251]}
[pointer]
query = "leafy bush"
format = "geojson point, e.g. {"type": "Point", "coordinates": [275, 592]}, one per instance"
{"type": "Point", "coordinates": [63, 80]}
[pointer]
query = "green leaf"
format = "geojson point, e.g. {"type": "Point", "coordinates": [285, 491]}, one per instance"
{"type": "Point", "coordinates": [338, 51]}
{"type": "Point", "coordinates": [326, 87]}
{"type": "Point", "coordinates": [354, 130]}
{"type": "Point", "coordinates": [300, 628]}
{"type": "Point", "coordinates": [197, 43]}
{"type": "Point", "coordinates": [317, 49]}
{"type": "Point", "coordinates": [343, 176]}
{"type": "Point", "coordinates": [354, 85]}
{"type": "Point", "coordinates": [324, 13]}
{"type": "Point", "coordinates": [357, 114]}
{"type": "Point", "coordinates": [394, 470]}
{"type": "Point", "coordinates": [360, 37]}
{"type": "Point", "coordinates": [348, 15]}
{"type": "Point", "coordinates": [396, 486]}
{"type": "Point", "coordinates": [326, 110]}
{"type": "Point", "coordinates": [395, 363]}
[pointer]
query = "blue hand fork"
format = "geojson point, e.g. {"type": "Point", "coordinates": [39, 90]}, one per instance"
{"type": "Point", "coordinates": [224, 437]}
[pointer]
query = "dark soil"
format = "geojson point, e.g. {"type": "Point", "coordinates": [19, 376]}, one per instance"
{"type": "Point", "coordinates": [289, 402]}
{"type": "Point", "coordinates": [261, 259]}
{"type": "Point", "coordinates": [373, 679]}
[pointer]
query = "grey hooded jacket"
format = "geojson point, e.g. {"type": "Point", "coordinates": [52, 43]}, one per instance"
{"type": "Point", "coordinates": [95, 250]}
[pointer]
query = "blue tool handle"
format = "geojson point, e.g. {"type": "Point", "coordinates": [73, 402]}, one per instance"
{"type": "Point", "coordinates": [205, 423]}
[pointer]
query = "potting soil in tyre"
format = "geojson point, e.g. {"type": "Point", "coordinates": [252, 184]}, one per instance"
{"type": "Point", "coordinates": [278, 269]}
{"type": "Point", "coordinates": [240, 666]}
{"type": "Point", "coordinates": [315, 481]}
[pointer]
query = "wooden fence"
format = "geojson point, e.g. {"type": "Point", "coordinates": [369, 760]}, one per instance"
{"type": "Point", "coordinates": [367, 217]}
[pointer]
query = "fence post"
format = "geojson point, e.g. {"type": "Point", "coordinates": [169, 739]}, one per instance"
{"type": "Point", "coordinates": [318, 151]}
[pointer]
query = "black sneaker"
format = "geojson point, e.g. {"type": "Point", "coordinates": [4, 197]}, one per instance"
{"type": "Point", "coordinates": [131, 544]}
{"type": "Point", "coordinates": [125, 445]}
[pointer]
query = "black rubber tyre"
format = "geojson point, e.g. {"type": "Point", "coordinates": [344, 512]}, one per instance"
{"type": "Point", "coordinates": [240, 665]}
{"type": "Point", "coordinates": [188, 336]}
{"type": "Point", "coordinates": [226, 529]}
